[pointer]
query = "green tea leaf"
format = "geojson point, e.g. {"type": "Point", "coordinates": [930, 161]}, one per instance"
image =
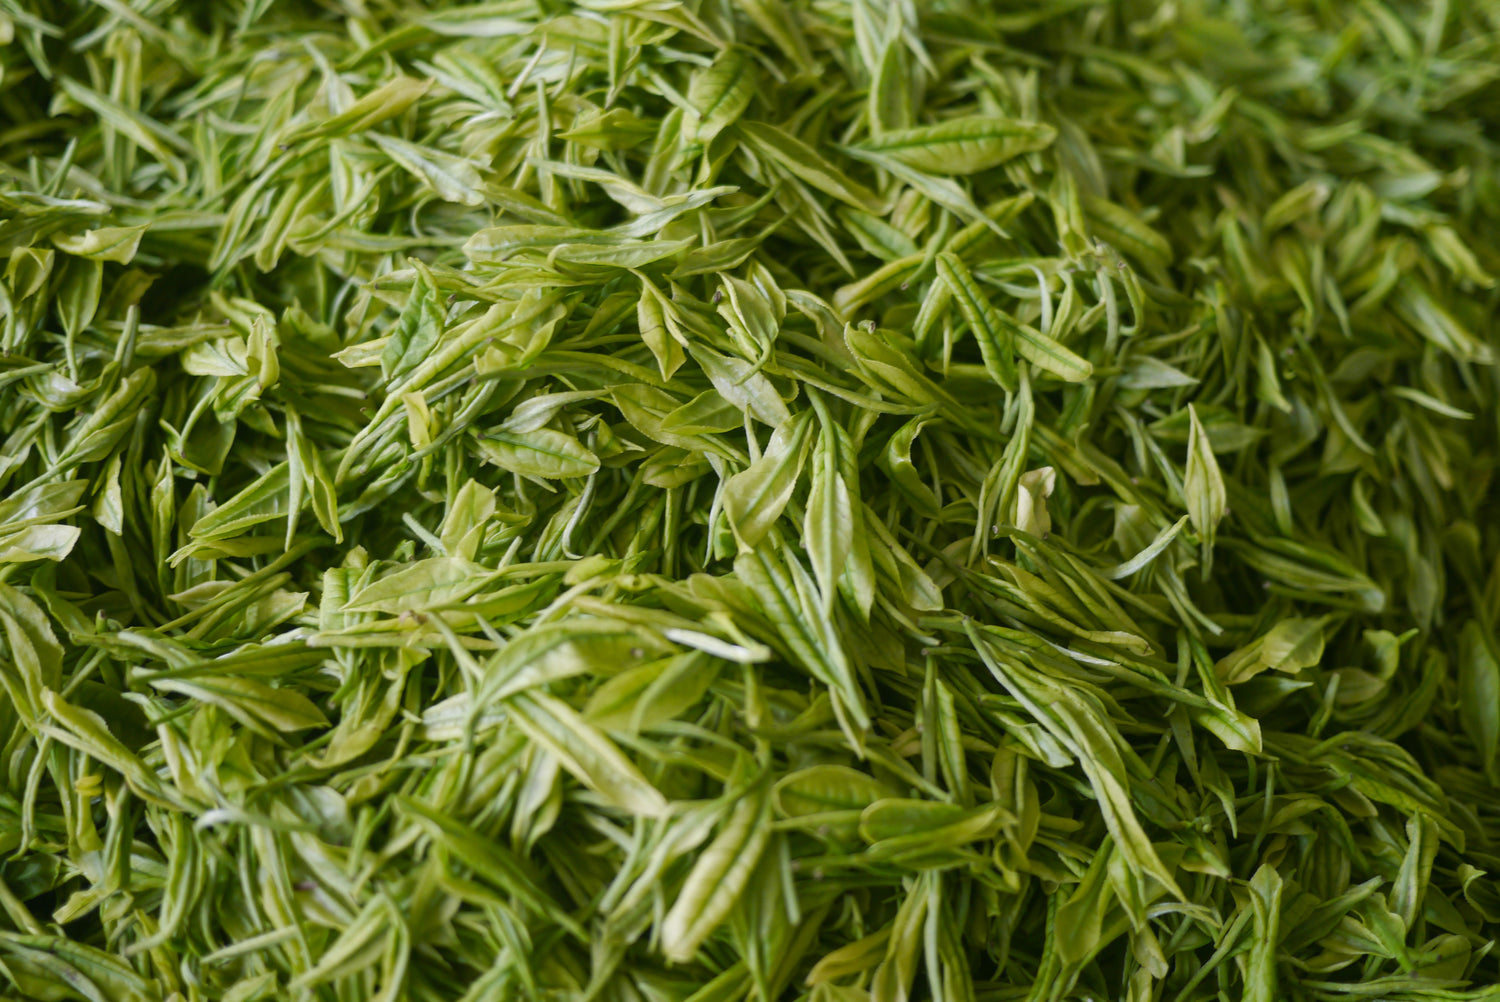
{"type": "Point", "coordinates": [720, 93]}
{"type": "Point", "coordinates": [755, 498]}
{"type": "Point", "coordinates": [995, 334]}
{"type": "Point", "coordinates": [542, 453]}
{"type": "Point", "coordinates": [453, 179]}
{"type": "Point", "coordinates": [1203, 488]}
{"type": "Point", "coordinates": [416, 331]}
{"type": "Point", "coordinates": [585, 753]}
{"type": "Point", "coordinates": [963, 145]}
{"type": "Point", "coordinates": [718, 879]}
{"type": "Point", "coordinates": [1479, 689]}
{"type": "Point", "coordinates": [108, 243]}
{"type": "Point", "coordinates": [804, 162]}
{"type": "Point", "coordinates": [253, 703]}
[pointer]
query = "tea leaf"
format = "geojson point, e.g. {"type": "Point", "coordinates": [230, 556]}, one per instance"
{"type": "Point", "coordinates": [542, 452]}
{"type": "Point", "coordinates": [1203, 488]}
{"type": "Point", "coordinates": [755, 498]}
{"type": "Point", "coordinates": [585, 753]}
{"type": "Point", "coordinates": [717, 879]}
{"type": "Point", "coordinates": [963, 145]}
{"type": "Point", "coordinates": [108, 243]}
{"type": "Point", "coordinates": [720, 93]}
{"type": "Point", "coordinates": [995, 334]}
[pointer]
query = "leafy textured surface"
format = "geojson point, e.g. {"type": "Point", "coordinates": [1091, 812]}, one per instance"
{"type": "Point", "coordinates": [692, 501]}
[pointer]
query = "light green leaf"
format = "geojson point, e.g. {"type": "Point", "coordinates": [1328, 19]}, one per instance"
{"type": "Point", "coordinates": [962, 145]}
{"type": "Point", "coordinates": [1203, 488]}
{"type": "Point", "coordinates": [802, 161]}
{"type": "Point", "coordinates": [108, 243]}
{"type": "Point", "coordinates": [755, 498]}
{"type": "Point", "coordinates": [586, 753]}
{"type": "Point", "coordinates": [255, 704]}
{"type": "Point", "coordinates": [416, 331]}
{"type": "Point", "coordinates": [544, 453]}
{"type": "Point", "coordinates": [996, 334]}
{"type": "Point", "coordinates": [718, 879]}
{"type": "Point", "coordinates": [454, 179]}
{"type": "Point", "coordinates": [719, 94]}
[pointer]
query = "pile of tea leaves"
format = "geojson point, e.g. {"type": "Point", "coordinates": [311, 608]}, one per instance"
{"type": "Point", "coordinates": [716, 500]}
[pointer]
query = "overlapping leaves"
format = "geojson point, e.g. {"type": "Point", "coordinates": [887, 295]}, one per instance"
{"type": "Point", "coordinates": [698, 501]}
